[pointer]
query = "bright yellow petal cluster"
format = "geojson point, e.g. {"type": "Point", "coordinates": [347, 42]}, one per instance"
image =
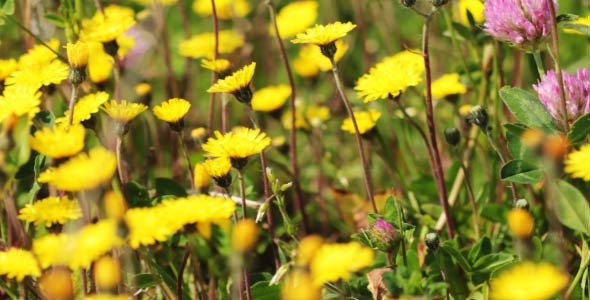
{"type": "Point", "coordinates": [520, 223]}
{"type": "Point", "coordinates": [580, 21]}
{"type": "Point", "coordinates": [107, 296]}
{"type": "Point", "coordinates": [49, 250]}
{"type": "Point", "coordinates": [234, 82]}
{"type": "Point", "coordinates": [123, 111]}
{"type": "Point", "coordinates": [7, 66]}
{"type": "Point", "coordinates": [161, 2]}
{"type": "Point", "coordinates": [82, 172]}
{"type": "Point", "coordinates": [85, 108]}
{"type": "Point", "coordinates": [53, 72]}
{"type": "Point", "coordinates": [270, 98]}
{"type": "Point", "coordinates": [391, 76]}
{"type": "Point", "coordinates": [239, 143]}
{"type": "Point", "coordinates": [18, 263]}
{"type": "Point", "coordinates": [244, 235]}
{"type": "Point", "coordinates": [19, 100]}
{"type": "Point", "coordinates": [299, 285]}
{"type": "Point", "coordinates": [60, 141]}
{"type": "Point", "coordinates": [149, 225]}
{"type": "Point", "coordinates": [333, 262]}
{"type": "Point", "coordinates": [218, 65]}
{"type": "Point", "coordinates": [475, 7]}
{"type": "Point", "coordinates": [51, 210]}
{"type": "Point", "coordinates": [295, 18]}
{"type": "Point", "coordinates": [447, 85]}
{"type": "Point", "coordinates": [77, 54]}
{"type": "Point", "coordinates": [100, 64]}
{"type": "Point", "coordinates": [203, 45]}
{"type": "Point", "coordinates": [173, 110]}
{"type": "Point", "coordinates": [577, 164]}
{"type": "Point", "coordinates": [109, 26]}
{"type": "Point", "coordinates": [365, 121]}
{"type": "Point", "coordinates": [324, 34]}
{"type": "Point", "coordinates": [202, 179]}
{"type": "Point", "coordinates": [126, 43]}
{"type": "Point", "coordinates": [226, 9]}
{"type": "Point", "coordinates": [316, 115]}
{"type": "Point", "coordinates": [528, 281]}
{"type": "Point", "coordinates": [218, 167]}
{"type": "Point", "coordinates": [311, 61]}
{"type": "Point", "coordinates": [39, 55]}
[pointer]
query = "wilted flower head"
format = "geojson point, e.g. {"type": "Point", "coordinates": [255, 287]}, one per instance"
{"type": "Point", "coordinates": [523, 23]}
{"type": "Point", "coordinates": [577, 93]}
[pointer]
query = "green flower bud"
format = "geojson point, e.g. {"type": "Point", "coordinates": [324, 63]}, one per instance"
{"type": "Point", "coordinates": [478, 116]}
{"type": "Point", "coordinates": [439, 2]}
{"type": "Point", "coordinates": [452, 136]}
{"type": "Point", "coordinates": [408, 3]}
{"type": "Point", "coordinates": [432, 241]}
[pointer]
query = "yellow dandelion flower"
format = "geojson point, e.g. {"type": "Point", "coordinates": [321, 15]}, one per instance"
{"type": "Point", "coordinates": [39, 55]}
{"type": "Point", "coordinates": [324, 34]}
{"type": "Point", "coordinates": [199, 209]}
{"type": "Point", "coordinates": [244, 235]}
{"type": "Point", "coordinates": [448, 85]}
{"type": "Point", "coordinates": [203, 45]}
{"type": "Point", "coordinates": [295, 18]}
{"type": "Point", "coordinates": [172, 110]}
{"type": "Point", "coordinates": [107, 273]}
{"type": "Point", "coordinates": [91, 242]}
{"type": "Point", "coordinates": [143, 89]}
{"type": "Point", "coordinates": [577, 164]}
{"type": "Point", "coordinates": [299, 285]}
{"type": "Point", "coordinates": [100, 64]}
{"type": "Point", "coordinates": [58, 142]}
{"type": "Point", "coordinates": [53, 72]}
{"type": "Point", "coordinates": [19, 100]}
{"type": "Point", "coordinates": [475, 7]}
{"type": "Point", "coordinates": [7, 66]}
{"type": "Point", "coordinates": [161, 2]}
{"type": "Point", "coordinates": [56, 283]}
{"type": "Point", "coordinates": [333, 262]}
{"type": "Point", "coordinates": [316, 115]}
{"type": "Point", "coordinates": [106, 297]}
{"type": "Point", "coordinates": [580, 21]}
{"type": "Point", "coordinates": [77, 54]}
{"type": "Point", "coordinates": [521, 223]}
{"type": "Point", "coordinates": [198, 133]}
{"type": "Point", "coordinates": [51, 210]}
{"type": "Point", "coordinates": [307, 249]}
{"type": "Point", "coordinates": [126, 43]}
{"type": "Point", "coordinates": [82, 172]}
{"type": "Point", "coordinates": [219, 169]}
{"type": "Point", "coordinates": [18, 263]}
{"type": "Point", "coordinates": [310, 60]}
{"type": "Point", "coordinates": [300, 120]}
{"type": "Point", "coordinates": [518, 283]}
{"type": "Point", "coordinates": [237, 145]}
{"type": "Point", "coordinates": [114, 205]}
{"type": "Point", "coordinates": [202, 178]}
{"type": "Point", "coordinates": [146, 226]}
{"type": "Point", "coordinates": [109, 26]}
{"type": "Point", "coordinates": [365, 121]}
{"type": "Point", "coordinates": [218, 65]}
{"type": "Point", "coordinates": [49, 249]}
{"type": "Point", "coordinates": [226, 9]}
{"type": "Point", "coordinates": [85, 107]}
{"type": "Point", "coordinates": [270, 98]}
{"type": "Point", "coordinates": [123, 111]}
{"type": "Point", "coordinates": [391, 76]}
{"type": "Point", "coordinates": [238, 83]}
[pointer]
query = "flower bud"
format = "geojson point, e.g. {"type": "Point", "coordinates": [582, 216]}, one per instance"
{"type": "Point", "coordinates": [438, 3]}
{"type": "Point", "coordinates": [452, 136]}
{"type": "Point", "coordinates": [432, 241]}
{"type": "Point", "coordinates": [261, 211]}
{"type": "Point", "coordinates": [521, 223]}
{"type": "Point", "coordinates": [478, 116]}
{"type": "Point", "coordinates": [408, 3]}
{"type": "Point", "coordinates": [56, 283]}
{"type": "Point", "coordinates": [244, 235]}
{"type": "Point", "coordinates": [522, 204]}
{"type": "Point", "coordinates": [107, 273]}
{"type": "Point", "coordinates": [328, 50]}
{"type": "Point", "coordinates": [383, 234]}
{"type": "Point", "coordinates": [77, 54]}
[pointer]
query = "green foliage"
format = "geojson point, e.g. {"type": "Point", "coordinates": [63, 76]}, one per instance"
{"type": "Point", "coordinates": [571, 207]}
{"type": "Point", "coordinates": [527, 109]}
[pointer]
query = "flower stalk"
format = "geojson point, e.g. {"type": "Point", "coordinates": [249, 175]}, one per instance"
{"type": "Point", "coordinates": [554, 51]}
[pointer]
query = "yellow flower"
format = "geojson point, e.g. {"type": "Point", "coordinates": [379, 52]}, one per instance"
{"type": "Point", "coordinates": [528, 281]}
{"type": "Point", "coordinates": [82, 172]}
{"type": "Point", "coordinates": [447, 85]}
{"type": "Point", "coordinates": [107, 273]}
{"type": "Point", "coordinates": [109, 26]}
{"type": "Point", "coordinates": [580, 21]}
{"type": "Point", "coordinates": [58, 142]}
{"type": "Point", "coordinates": [39, 55]}
{"type": "Point", "coordinates": [106, 297]}
{"type": "Point", "coordinates": [173, 110]}
{"type": "Point", "coordinates": [577, 164]}
{"type": "Point", "coordinates": [333, 262]}
{"type": "Point", "coordinates": [238, 83]}
{"type": "Point", "coordinates": [56, 284]}
{"type": "Point", "coordinates": [311, 61]}
{"type": "Point", "coordinates": [51, 210]}
{"type": "Point", "coordinates": [123, 111]}
{"type": "Point", "coordinates": [365, 121]}
{"type": "Point", "coordinates": [53, 72]}
{"type": "Point", "coordinates": [7, 66]}
{"type": "Point", "coordinates": [100, 64]}
{"type": "Point", "coordinates": [237, 144]}
{"type": "Point", "coordinates": [521, 223]}
{"type": "Point", "coordinates": [219, 168]}
{"type": "Point", "coordinates": [85, 107]}
{"type": "Point", "coordinates": [218, 66]}
{"type": "Point", "coordinates": [49, 249]}
{"type": "Point", "coordinates": [322, 35]}
{"type": "Point", "coordinates": [77, 54]}
{"type": "Point", "coordinates": [300, 121]}
{"type": "Point", "coordinates": [202, 177]}
{"type": "Point", "coordinates": [203, 45]}
{"type": "Point", "coordinates": [391, 76]}
{"type": "Point", "coordinates": [295, 17]}
{"type": "Point", "coordinates": [475, 7]}
{"type": "Point", "coordinates": [244, 235]}
{"type": "Point", "coordinates": [161, 2]}
{"type": "Point", "coordinates": [146, 226]}
{"type": "Point", "coordinates": [198, 133]}
{"type": "Point", "coordinates": [316, 115]}
{"type": "Point", "coordinates": [299, 285]}
{"type": "Point", "coordinates": [18, 263]}
{"type": "Point", "coordinates": [19, 100]}
{"type": "Point", "coordinates": [270, 98]}
{"type": "Point", "coordinates": [114, 205]}
{"type": "Point", "coordinates": [226, 9]}
{"type": "Point", "coordinates": [143, 89]}
{"type": "Point", "coordinates": [307, 249]}
{"type": "Point", "coordinates": [91, 242]}
{"type": "Point", "coordinates": [126, 44]}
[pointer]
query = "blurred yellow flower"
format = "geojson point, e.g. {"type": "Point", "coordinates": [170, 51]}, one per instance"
{"type": "Point", "coordinates": [100, 64]}
{"type": "Point", "coordinates": [53, 72]}
{"type": "Point", "coordinates": [447, 85]}
{"type": "Point", "coordinates": [333, 262]}
{"type": "Point", "coordinates": [392, 76]}
{"type": "Point", "coordinates": [107, 273]}
{"type": "Point", "coordinates": [577, 164]}
{"type": "Point", "coordinates": [316, 115]}
{"type": "Point", "coordinates": [143, 89]}
{"type": "Point", "coordinates": [271, 97]}
{"type": "Point", "coordinates": [324, 34]}
{"type": "Point", "coordinates": [106, 297]}
{"type": "Point", "coordinates": [49, 250]}
{"type": "Point", "coordinates": [300, 121]}
{"type": "Point", "coordinates": [82, 172]}
{"type": "Point", "coordinates": [226, 9]}
{"type": "Point", "coordinates": [203, 45]}
{"type": "Point", "coordinates": [311, 61]}
{"type": "Point", "coordinates": [18, 264]}
{"type": "Point", "coordinates": [114, 205]}
{"type": "Point", "coordinates": [299, 285]}
{"type": "Point", "coordinates": [123, 111]}
{"type": "Point", "coordinates": [238, 83]}
{"type": "Point", "coordinates": [520, 223]}
{"type": "Point", "coordinates": [475, 7]}
{"type": "Point", "coordinates": [528, 281]}
{"type": "Point", "coordinates": [126, 44]}
{"type": "Point", "coordinates": [58, 142]}
{"type": "Point", "coordinates": [580, 21]}
{"type": "Point", "coordinates": [109, 26]}
{"type": "Point", "coordinates": [7, 66]}
{"type": "Point", "coordinates": [295, 18]}
{"type": "Point", "coordinates": [161, 2]}
{"type": "Point", "coordinates": [146, 226]}
{"type": "Point", "coordinates": [218, 66]}
{"type": "Point", "coordinates": [219, 169]}
{"type": "Point", "coordinates": [85, 107]}
{"type": "Point", "coordinates": [51, 210]}
{"type": "Point", "coordinates": [91, 242]}
{"type": "Point", "coordinates": [77, 54]}
{"type": "Point", "coordinates": [202, 177]}
{"type": "Point", "coordinates": [365, 121]}
{"type": "Point", "coordinates": [56, 284]}
{"type": "Point", "coordinates": [39, 55]}
{"type": "Point", "coordinates": [307, 249]}
{"type": "Point", "coordinates": [244, 235]}
{"type": "Point", "coordinates": [172, 110]}
{"type": "Point", "coordinates": [19, 100]}
{"type": "Point", "coordinates": [237, 144]}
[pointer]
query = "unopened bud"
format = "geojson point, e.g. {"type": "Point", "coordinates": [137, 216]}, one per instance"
{"type": "Point", "coordinates": [286, 186]}
{"type": "Point", "coordinates": [521, 204]}
{"type": "Point", "coordinates": [478, 116]}
{"type": "Point", "coordinates": [261, 211]}
{"type": "Point", "coordinates": [281, 272]}
{"type": "Point", "coordinates": [452, 136]}
{"type": "Point", "coordinates": [439, 2]}
{"type": "Point", "coordinates": [432, 241]}
{"type": "Point", "coordinates": [408, 3]}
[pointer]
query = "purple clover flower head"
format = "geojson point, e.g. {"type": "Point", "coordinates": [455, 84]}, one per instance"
{"type": "Point", "coordinates": [383, 234]}
{"type": "Point", "coordinates": [577, 93]}
{"type": "Point", "coordinates": [384, 226]}
{"type": "Point", "coordinates": [523, 23]}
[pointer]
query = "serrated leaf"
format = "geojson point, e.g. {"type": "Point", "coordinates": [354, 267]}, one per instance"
{"type": "Point", "coordinates": [571, 208]}
{"type": "Point", "coordinates": [527, 109]}
{"type": "Point", "coordinates": [520, 171]}
{"type": "Point", "coordinates": [579, 130]}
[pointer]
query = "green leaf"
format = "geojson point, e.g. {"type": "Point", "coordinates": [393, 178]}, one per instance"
{"type": "Point", "coordinates": [527, 109]}
{"type": "Point", "coordinates": [581, 28]}
{"type": "Point", "coordinates": [449, 248]}
{"type": "Point", "coordinates": [520, 171]}
{"type": "Point", "coordinates": [56, 20]}
{"type": "Point", "coordinates": [514, 133]}
{"type": "Point", "coordinates": [495, 212]}
{"type": "Point", "coordinates": [167, 186]}
{"type": "Point", "coordinates": [146, 280]}
{"type": "Point", "coordinates": [481, 248]}
{"type": "Point", "coordinates": [136, 194]}
{"type": "Point", "coordinates": [8, 8]}
{"type": "Point", "coordinates": [491, 262]}
{"type": "Point", "coordinates": [262, 291]}
{"type": "Point", "coordinates": [571, 208]}
{"type": "Point", "coordinates": [391, 214]}
{"type": "Point", "coordinates": [579, 130]}
{"type": "Point", "coordinates": [567, 18]}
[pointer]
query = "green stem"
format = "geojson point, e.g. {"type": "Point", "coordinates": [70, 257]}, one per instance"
{"type": "Point", "coordinates": [242, 194]}
{"type": "Point", "coordinates": [488, 133]}
{"type": "Point", "coordinates": [456, 46]}
{"type": "Point", "coordinates": [73, 99]}
{"type": "Point", "coordinates": [554, 51]}
{"type": "Point", "coordinates": [188, 159]}
{"type": "Point", "coordinates": [539, 63]}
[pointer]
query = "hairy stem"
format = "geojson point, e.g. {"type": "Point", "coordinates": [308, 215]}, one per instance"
{"type": "Point", "coordinates": [555, 54]}
{"type": "Point", "coordinates": [71, 104]}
